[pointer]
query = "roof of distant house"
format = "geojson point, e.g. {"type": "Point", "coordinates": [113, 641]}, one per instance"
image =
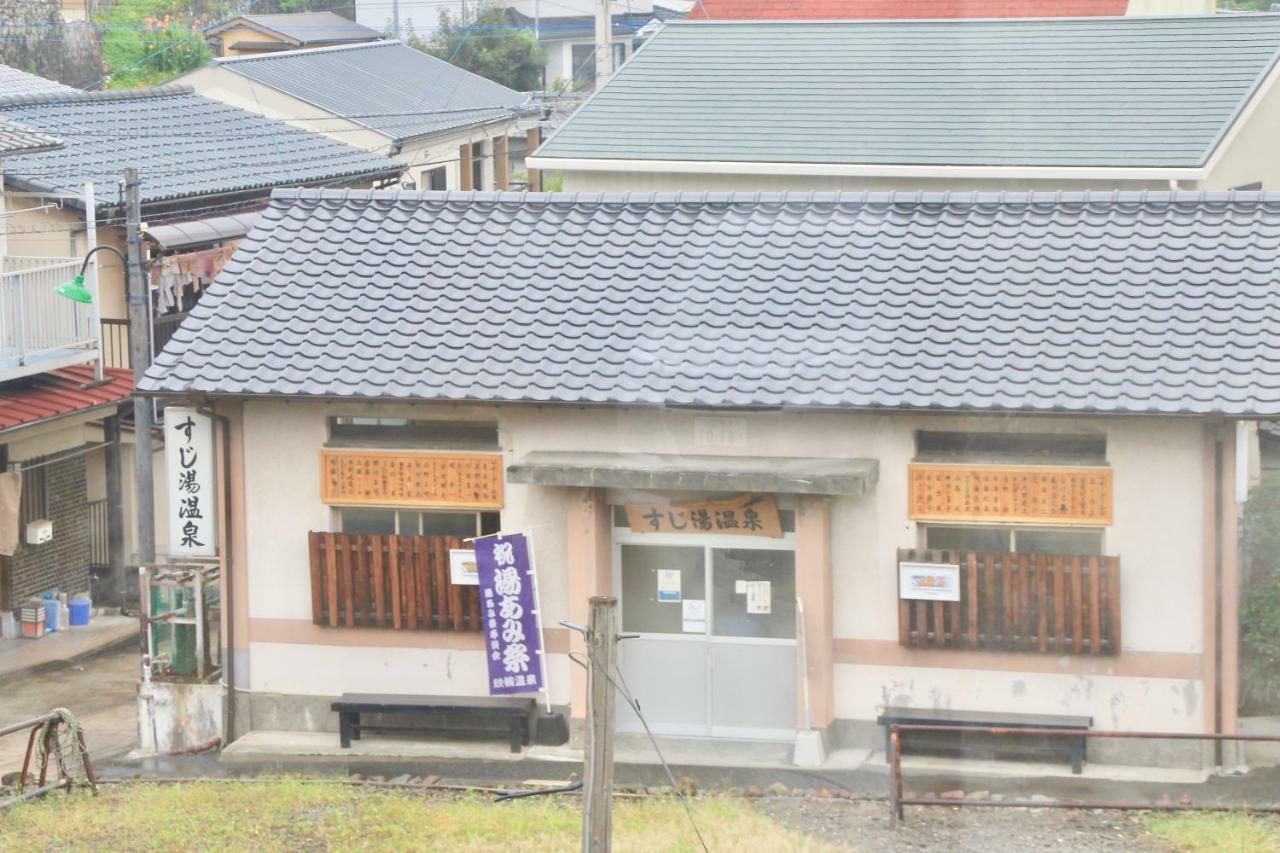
{"type": "Point", "coordinates": [386, 86]}
{"type": "Point", "coordinates": [182, 145]}
{"type": "Point", "coordinates": [584, 26]}
{"type": "Point", "coordinates": [727, 10]}
{"type": "Point", "coordinates": [16, 139]}
{"type": "Point", "coordinates": [1156, 93]}
{"type": "Point", "coordinates": [59, 393]}
{"type": "Point", "coordinates": [15, 82]}
{"type": "Point", "coordinates": [302, 28]}
{"type": "Point", "coordinates": [1105, 302]}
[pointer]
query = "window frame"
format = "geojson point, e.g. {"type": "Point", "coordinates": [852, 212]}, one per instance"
{"type": "Point", "coordinates": [1012, 539]}
{"type": "Point", "coordinates": [397, 511]}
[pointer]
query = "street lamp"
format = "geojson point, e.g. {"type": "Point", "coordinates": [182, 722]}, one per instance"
{"type": "Point", "coordinates": [75, 289]}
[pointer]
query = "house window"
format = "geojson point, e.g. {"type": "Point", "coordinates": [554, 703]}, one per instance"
{"type": "Point", "coordinates": [435, 179]}
{"type": "Point", "coordinates": [34, 501]}
{"type": "Point", "coordinates": [1011, 448]}
{"type": "Point", "coordinates": [404, 522]}
{"type": "Point", "coordinates": [353, 431]}
{"type": "Point", "coordinates": [477, 165]}
{"type": "Point", "coordinates": [584, 66]}
{"type": "Point", "coordinates": [1014, 540]}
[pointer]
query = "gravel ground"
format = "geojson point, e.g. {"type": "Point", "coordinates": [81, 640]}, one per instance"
{"type": "Point", "coordinates": [864, 826]}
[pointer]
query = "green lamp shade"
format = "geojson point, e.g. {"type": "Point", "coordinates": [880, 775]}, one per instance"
{"type": "Point", "coordinates": [75, 291]}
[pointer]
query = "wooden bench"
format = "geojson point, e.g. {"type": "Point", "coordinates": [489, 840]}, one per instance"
{"type": "Point", "coordinates": [511, 711]}
{"type": "Point", "coordinates": [1077, 746]}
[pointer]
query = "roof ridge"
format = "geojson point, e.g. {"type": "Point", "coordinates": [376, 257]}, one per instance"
{"type": "Point", "coordinates": [166, 91]}
{"type": "Point", "coordinates": [1073, 19]}
{"type": "Point", "coordinates": [276, 54]}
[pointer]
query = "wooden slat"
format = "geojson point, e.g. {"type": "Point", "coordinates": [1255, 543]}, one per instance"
{"type": "Point", "coordinates": [1059, 607]}
{"type": "Point", "coordinates": [904, 605]}
{"type": "Point", "coordinates": [993, 625]}
{"type": "Point", "coordinates": [394, 590]}
{"type": "Point", "coordinates": [378, 544]}
{"type": "Point", "coordinates": [1077, 608]}
{"type": "Point", "coordinates": [450, 593]}
{"type": "Point", "coordinates": [317, 579]}
{"type": "Point", "coordinates": [1042, 602]}
{"type": "Point", "coordinates": [331, 578]}
{"type": "Point", "coordinates": [360, 571]}
{"type": "Point", "coordinates": [971, 578]}
{"type": "Point", "coordinates": [349, 583]}
{"type": "Point", "coordinates": [427, 600]}
{"type": "Point", "coordinates": [1113, 602]}
{"type": "Point", "coordinates": [1009, 593]}
{"type": "Point", "coordinates": [1095, 614]}
{"type": "Point", "coordinates": [409, 572]}
{"type": "Point", "coordinates": [921, 623]}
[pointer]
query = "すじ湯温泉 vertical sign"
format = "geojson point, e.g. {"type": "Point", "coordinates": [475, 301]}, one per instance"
{"type": "Point", "coordinates": [508, 608]}
{"type": "Point", "coordinates": [193, 507]}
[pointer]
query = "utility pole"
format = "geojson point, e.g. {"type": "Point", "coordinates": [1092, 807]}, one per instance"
{"type": "Point", "coordinates": [604, 43]}
{"type": "Point", "coordinates": [139, 359]}
{"type": "Point", "coordinates": [602, 652]}
{"type": "Point", "coordinates": [395, 17]}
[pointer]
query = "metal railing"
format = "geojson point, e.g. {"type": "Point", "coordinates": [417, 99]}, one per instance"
{"type": "Point", "coordinates": [99, 543]}
{"type": "Point", "coordinates": [897, 800]}
{"type": "Point", "coordinates": [38, 328]}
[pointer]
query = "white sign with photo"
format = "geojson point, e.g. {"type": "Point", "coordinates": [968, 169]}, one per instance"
{"type": "Point", "coordinates": [462, 567]}
{"type": "Point", "coordinates": [929, 581]}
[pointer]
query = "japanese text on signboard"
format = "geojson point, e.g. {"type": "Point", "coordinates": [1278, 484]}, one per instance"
{"type": "Point", "coordinates": [188, 453]}
{"type": "Point", "coordinates": [748, 515]}
{"type": "Point", "coordinates": [412, 479]}
{"type": "Point", "coordinates": [507, 605]}
{"type": "Point", "coordinates": [1028, 494]}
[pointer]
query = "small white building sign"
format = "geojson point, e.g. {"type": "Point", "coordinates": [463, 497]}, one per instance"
{"type": "Point", "coordinates": [929, 581]}
{"type": "Point", "coordinates": [193, 506]}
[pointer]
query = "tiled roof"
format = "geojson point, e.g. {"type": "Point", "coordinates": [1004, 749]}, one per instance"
{"type": "Point", "coordinates": [58, 393]}
{"type": "Point", "coordinates": [385, 86]}
{"type": "Point", "coordinates": [741, 10]}
{"type": "Point", "coordinates": [304, 27]}
{"type": "Point", "coordinates": [183, 145]}
{"type": "Point", "coordinates": [1100, 302]}
{"type": "Point", "coordinates": [1080, 92]}
{"type": "Point", "coordinates": [15, 82]}
{"type": "Point", "coordinates": [16, 139]}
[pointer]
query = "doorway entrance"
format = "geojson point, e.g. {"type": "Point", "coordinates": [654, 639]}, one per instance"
{"type": "Point", "coordinates": [716, 618]}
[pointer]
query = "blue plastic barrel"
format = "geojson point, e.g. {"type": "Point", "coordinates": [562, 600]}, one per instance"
{"type": "Point", "coordinates": [50, 615]}
{"type": "Point", "coordinates": [79, 611]}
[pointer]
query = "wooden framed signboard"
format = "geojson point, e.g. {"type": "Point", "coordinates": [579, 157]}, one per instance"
{"type": "Point", "coordinates": [1035, 494]}
{"type": "Point", "coordinates": [468, 480]}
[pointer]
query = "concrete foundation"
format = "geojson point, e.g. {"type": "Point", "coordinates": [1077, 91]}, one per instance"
{"type": "Point", "coordinates": [173, 716]}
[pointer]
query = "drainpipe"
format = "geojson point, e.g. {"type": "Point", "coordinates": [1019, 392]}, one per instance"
{"type": "Point", "coordinates": [228, 581]}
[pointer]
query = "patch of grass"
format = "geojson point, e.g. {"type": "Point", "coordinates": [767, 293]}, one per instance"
{"type": "Point", "coordinates": [290, 814]}
{"type": "Point", "coordinates": [1216, 832]}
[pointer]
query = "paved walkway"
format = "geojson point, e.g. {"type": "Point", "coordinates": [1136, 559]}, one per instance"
{"type": "Point", "coordinates": [20, 657]}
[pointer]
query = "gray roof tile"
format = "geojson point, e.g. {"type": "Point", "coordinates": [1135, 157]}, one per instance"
{"type": "Point", "coordinates": [16, 82]}
{"type": "Point", "coordinates": [182, 144]}
{"type": "Point", "coordinates": [1101, 302]}
{"type": "Point", "coordinates": [385, 86]}
{"type": "Point", "coordinates": [1100, 92]}
{"type": "Point", "coordinates": [16, 139]}
{"type": "Point", "coordinates": [304, 27]}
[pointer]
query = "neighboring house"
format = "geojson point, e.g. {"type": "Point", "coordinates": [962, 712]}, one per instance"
{"type": "Point", "coordinates": [15, 82]}
{"type": "Point", "coordinates": [1081, 103]}
{"type": "Point", "coordinates": [60, 436]}
{"type": "Point", "coordinates": [834, 10]}
{"type": "Point", "coordinates": [1044, 386]}
{"type": "Point", "coordinates": [570, 44]}
{"type": "Point", "coordinates": [451, 129]}
{"type": "Point", "coordinates": [197, 159]}
{"type": "Point", "coordinates": [249, 35]}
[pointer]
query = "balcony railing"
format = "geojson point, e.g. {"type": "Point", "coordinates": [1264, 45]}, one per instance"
{"type": "Point", "coordinates": [40, 330]}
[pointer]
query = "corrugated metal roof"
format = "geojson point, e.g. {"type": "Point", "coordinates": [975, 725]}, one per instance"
{"type": "Point", "coordinates": [194, 232]}
{"type": "Point", "coordinates": [385, 86]}
{"type": "Point", "coordinates": [1101, 302]}
{"type": "Point", "coordinates": [1082, 92]}
{"type": "Point", "coordinates": [304, 27]}
{"type": "Point", "coordinates": [182, 144]}
{"type": "Point", "coordinates": [58, 393]}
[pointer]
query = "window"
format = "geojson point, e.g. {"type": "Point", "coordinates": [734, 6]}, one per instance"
{"type": "Point", "coordinates": [1011, 448]}
{"type": "Point", "coordinates": [1017, 540]}
{"type": "Point", "coordinates": [404, 522]}
{"type": "Point", "coordinates": [34, 501]}
{"type": "Point", "coordinates": [435, 179]}
{"type": "Point", "coordinates": [584, 66]}
{"type": "Point", "coordinates": [477, 165]}
{"type": "Point", "coordinates": [352, 431]}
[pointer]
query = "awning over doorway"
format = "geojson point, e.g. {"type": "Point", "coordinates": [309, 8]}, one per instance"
{"type": "Point", "coordinates": [784, 475]}
{"type": "Point", "coordinates": [197, 232]}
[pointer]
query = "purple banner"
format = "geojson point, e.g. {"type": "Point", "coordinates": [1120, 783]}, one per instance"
{"type": "Point", "coordinates": [507, 605]}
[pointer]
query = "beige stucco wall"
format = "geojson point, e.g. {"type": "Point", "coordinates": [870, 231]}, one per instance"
{"type": "Point", "coordinates": [1250, 155]}
{"type": "Point", "coordinates": [1158, 532]}
{"type": "Point", "coordinates": [236, 34]}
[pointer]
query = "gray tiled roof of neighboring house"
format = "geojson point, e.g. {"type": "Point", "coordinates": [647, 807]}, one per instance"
{"type": "Point", "coordinates": [304, 27]}
{"type": "Point", "coordinates": [1099, 302]}
{"type": "Point", "coordinates": [182, 145]}
{"type": "Point", "coordinates": [16, 139]}
{"type": "Point", "coordinates": [15, 82]}
{"type": "Point", "coordinates": [385, 86]}
{"type": "Point", "coordinates": [1083, 92]}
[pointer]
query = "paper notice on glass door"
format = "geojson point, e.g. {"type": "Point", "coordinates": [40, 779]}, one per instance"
{"type": "Point", "coordinates": [759, 597]}
{"type": "Point", "coordinates": [669, 585]}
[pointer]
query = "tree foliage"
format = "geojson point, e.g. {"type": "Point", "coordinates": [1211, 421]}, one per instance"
{"type": "Point", "coordinates": [1260, 601]}
{"type": "Point", "coordinates": [150, 41]}
{"type": "Point", "coordinates": [485, 42]}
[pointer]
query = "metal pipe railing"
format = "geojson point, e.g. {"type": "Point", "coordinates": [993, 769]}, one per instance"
{"type": "Point", "coordinates": [897, 801]}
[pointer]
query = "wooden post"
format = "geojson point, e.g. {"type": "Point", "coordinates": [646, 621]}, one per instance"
{"type": "Point", "coordinates": [464, 168]}
{"type": "Point", "coordinates": [602, 643]}
{"type": "Point", "coordinates": [501, 164]}
{"type": "Point", "coordinates": [533, 138]}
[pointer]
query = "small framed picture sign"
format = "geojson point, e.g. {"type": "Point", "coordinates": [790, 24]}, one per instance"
{"type": "Point", "coordinates": [929, 581]}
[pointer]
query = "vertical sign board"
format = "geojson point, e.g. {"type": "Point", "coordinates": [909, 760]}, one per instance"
{"type": "Point", "coordinates": [193, 505]}
{"type": "Point", "coordinates": [509, 609]}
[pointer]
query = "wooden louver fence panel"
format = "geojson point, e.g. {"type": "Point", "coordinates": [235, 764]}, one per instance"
{"type": "Point", "coordinates": [360, 580]}
{"type": "Point", "coordinates": [1019, 603]}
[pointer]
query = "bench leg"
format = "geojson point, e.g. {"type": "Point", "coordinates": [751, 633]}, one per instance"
{"type": "Point", "coordinates": [344, 729]}
{"type": "Point", "coordinates": [517, 733]}
{"type": "Point", "coordinates": [888, 742]}
{"type": "Point", "coordinates": [355, 725]}
{"type": "Point", "coordinates": [1077, 755]}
